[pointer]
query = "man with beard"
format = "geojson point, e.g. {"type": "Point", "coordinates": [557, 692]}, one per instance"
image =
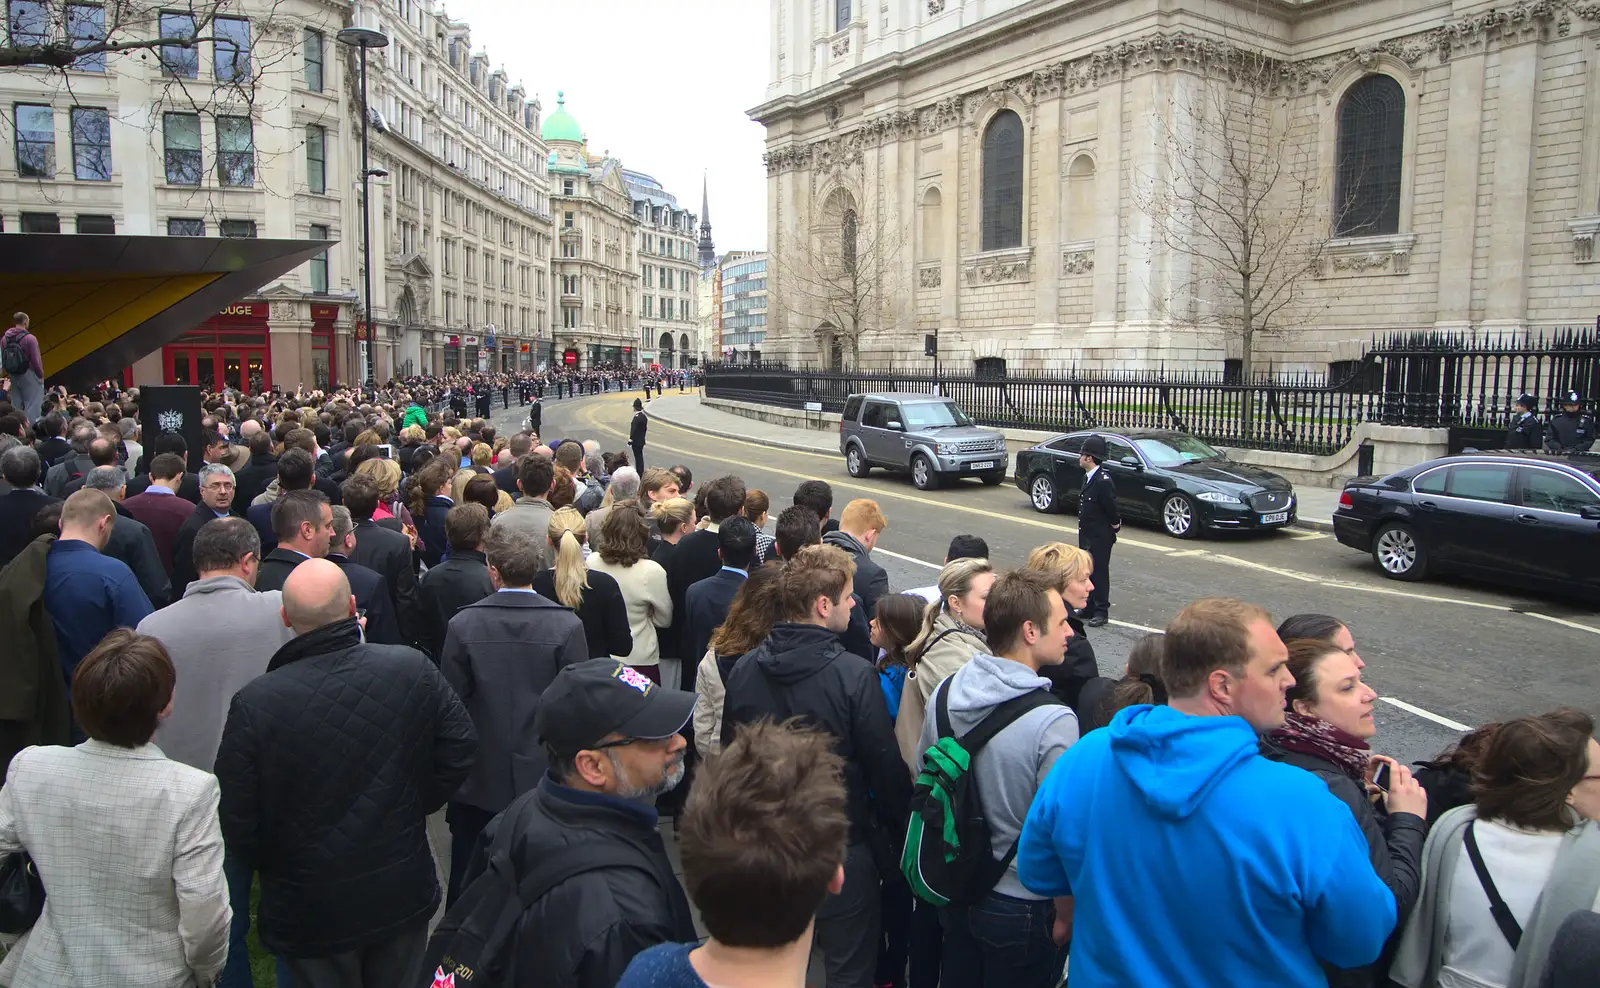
{"type": "Point", "coordinates": [612, 739]}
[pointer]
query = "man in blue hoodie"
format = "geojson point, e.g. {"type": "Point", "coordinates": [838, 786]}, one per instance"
{"type": "Point", "coordinates": [1191, 859]}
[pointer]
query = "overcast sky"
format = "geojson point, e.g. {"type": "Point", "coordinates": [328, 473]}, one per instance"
{"type": "Point", "coordinates": [661, 84]}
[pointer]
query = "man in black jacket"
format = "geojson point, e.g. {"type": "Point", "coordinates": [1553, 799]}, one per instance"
{"type": "Point", "coordinates": [501, 654]}
{"type": "Point", "coordinates": [52, 446]}
{"type": "Point", "coordinates": [21, 467]}
{"type": "Point", "coordinates": [612, 739]}
{"type": "Point", "coordinates": [302, 524]}
{"type": "Point", "coordinates": [260, 472]}
{"type": "Point", "coordinates": [1098, 524]}
{"type": "Point", "coordinates": [460, 580]}
{"type": "Point", "coordinates": [697, 557]}
{"type": "Point", "coordinates": [216, 501]}
{"type": "Point", "coordinates": [329, 766]}
{"type": "Point", "coordinates": [636, 431]}
{"type": "Point", "coordinates": [385, 551]}
{"type": "Point", "coordinates": [802, 670]}
{"type": "Point", "coordinates": [168, 442]}
{"type": "Point", "coordinates": [708, 600]}
{"type": "Point", "coordinates": [370, 588]}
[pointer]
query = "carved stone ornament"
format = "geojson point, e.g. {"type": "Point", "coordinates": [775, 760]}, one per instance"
{"type": "Point", "coordinates": [1584, 229]}
{"type": "Point", "coordinates": [999, 267]}
{"type": "Point", "coordinates": [930, 276]}
{"type": "Point", "coordinates": [935, 8]}
{"type": "Point", "coordinates": [841, 46]}
{"type": "Point", "coordinates": [281, 312]}
{"type": "Point", "coordinates": [1369, 255]}
{"type": "Point", "coordinates": [1077, 262]}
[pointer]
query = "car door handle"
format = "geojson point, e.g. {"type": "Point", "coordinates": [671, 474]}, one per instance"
{"type": "Point", "coordinates": [1528, 519]}
{"type": "Point", "coordinates": [1427, 506]}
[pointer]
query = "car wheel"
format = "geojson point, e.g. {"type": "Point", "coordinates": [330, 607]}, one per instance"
{"type": "Point", "coordinates": [1042, 492]}
{"type": "Point", "coordinates": [1177, 517]}
{"type": "Point", "coordinates": [1399, 553]}
{"type": "Point", "coordinates": [856, 463]}
{"type": "Point", "coordinates": [923, 475]}
{"type": "Point", "coordinates": [993, 479]}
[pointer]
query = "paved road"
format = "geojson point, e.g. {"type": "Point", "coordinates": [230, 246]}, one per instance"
{"type": "Point", "coordinates": [1443, 655]}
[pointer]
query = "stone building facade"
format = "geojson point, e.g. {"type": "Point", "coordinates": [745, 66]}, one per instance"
{"type": "Point", "coordinates": [669, 275]}
{"type": "Point", "coordinates": [1006, 151]}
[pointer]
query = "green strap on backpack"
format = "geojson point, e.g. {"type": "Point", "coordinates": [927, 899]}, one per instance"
{"type": "Point", "coordinates": [948, 856]}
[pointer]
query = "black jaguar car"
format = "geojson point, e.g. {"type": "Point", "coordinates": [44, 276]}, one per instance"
{"type": "Point", "coordinates": [1166, 478]}
{"type": "Point", "coordinates": [1509, 517]}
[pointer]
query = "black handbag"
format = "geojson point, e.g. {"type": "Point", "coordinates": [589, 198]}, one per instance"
{"type": "Point", "coordinates": [21, 893]}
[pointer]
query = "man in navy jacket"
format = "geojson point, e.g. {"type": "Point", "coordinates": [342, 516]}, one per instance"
{"type": "Point", "coordinates": [708, 600]}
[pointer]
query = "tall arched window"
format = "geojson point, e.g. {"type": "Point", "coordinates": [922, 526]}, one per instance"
{"type": "Point", "coordinates": [1081, 218]}
{"type": "Point", "coordinates": [932, 225]}
{"type": "Point", "coordinates": [847, 239]}
{"type": "Point", "coordinates": [1371, 146]}
{"type": "Point", "coordinates": [1002, 182]}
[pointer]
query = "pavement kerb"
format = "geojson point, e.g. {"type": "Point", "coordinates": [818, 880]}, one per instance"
{"type": "Point", "coordinates": [1303, 522]}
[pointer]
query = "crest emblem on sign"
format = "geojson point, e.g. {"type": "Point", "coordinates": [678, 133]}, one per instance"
{"type": "Point", "coordinates": [170, 421]}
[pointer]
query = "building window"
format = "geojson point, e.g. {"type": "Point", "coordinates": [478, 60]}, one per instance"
{"type": "Point", "coordinates": [96, 224]}
{"type": "Point", "coordinates": [990, 367]}
{"type": "Point", "coordinates": [179, 60]}
{"type": "Point", "coordinates": [177, 227]}
{"type": "Point", "coordinates": [41, 223]}
{"type": "Point", "coordinates": [181, 135]}
{"type": "Point", "coordinates": [36, 141]}
{"type": "Point", "coordinates": [313, 54]}
{"type": "Point", "coordinates": [566, 221]}
{"type": "Point", "coordinates": [319, 264]}
{"type": "Point", "coordinates": [86, 25]}
{"type": "Point", "coordinates": [236, 152]}
{"type": "Point", "coordinates": [649, 276]}
{"type": "Point", "coordinates": [472, 311]}
{"type": "Point", "coordinates": [1372, 134]}
{"type": "Point", "coordinates": [567, 186]}
{"type": "Point", "coordinates": [569, 318]}
{"type": "Point", "coordinates": [849, 232]}
{"type": "Point", "coordinates": [29, 23]}
{"type": "Point", "coordinates": [316, 158]}
{"type": "Point", "coordinates": [91, 144]}
{"type": "Point", "coordinates": [231, 50]}
{"type": "Point", "coordinates": [1002, 182]}
{"type": "Point", "coordinates": [238, 229]}
{"type": "Point", "coordinates": [841, 15]}
{"type": "Point", "coordinates": [649, 306]}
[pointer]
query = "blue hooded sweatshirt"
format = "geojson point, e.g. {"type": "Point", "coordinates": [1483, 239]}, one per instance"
{"type": "Point", "coordinates": [1194, 861]}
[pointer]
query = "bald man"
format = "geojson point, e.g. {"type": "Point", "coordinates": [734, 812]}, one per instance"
{"type": "Point", "coordinates": [330, 765]}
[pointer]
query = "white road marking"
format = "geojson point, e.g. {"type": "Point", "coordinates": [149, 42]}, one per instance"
{"type": "Point", "coordinates": [1138, 627]}
{"type": "Point", "coordinates": [1412, 708]}
{"type": "Point", "coordinates": [908, 559]}
{"type": "Point", "coordinates": [1188, 552]}
{"type": "Point", "coordinates": [1303, 536]}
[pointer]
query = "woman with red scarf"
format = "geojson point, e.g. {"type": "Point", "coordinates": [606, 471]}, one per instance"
{"type": "Point", "coordinates": [1326, 729]}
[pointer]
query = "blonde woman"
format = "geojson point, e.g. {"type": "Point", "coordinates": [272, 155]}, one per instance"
{"type": "Point", "coordinates": [673, 520]}
{"type": "Point", "coordinates": [952, 629]}
{"type": "Point", "coordinates": [594, 596]}
{"type": "Point", "coordinates": [458, 484]}
{"type": "Point", "coordinates": [386, 474]}
{"type": "Point", "coordinates": [1073, 571]}
{"type": "Point", "coordinates": [625, 554]}
{"type": "Point", "coordinates": [482, 455]}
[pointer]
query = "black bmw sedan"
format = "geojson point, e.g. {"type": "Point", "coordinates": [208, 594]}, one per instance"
{"type": "Point", "coordinates": [1508, 517]}
{"type": "Point", "coordinates": [1166, 478]}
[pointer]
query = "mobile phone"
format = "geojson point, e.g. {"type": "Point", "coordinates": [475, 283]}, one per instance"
{"type": "Point", "coordinates": [386, 450]}
{"type": "Point", "coordinates": [1380, 776]}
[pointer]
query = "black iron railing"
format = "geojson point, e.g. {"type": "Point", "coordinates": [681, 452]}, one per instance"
{"type": "Point", "coordinates": [1421, 379]}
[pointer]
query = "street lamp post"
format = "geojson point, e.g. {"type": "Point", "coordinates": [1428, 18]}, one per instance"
{"type": "Point", "coordinates": [362, 38]}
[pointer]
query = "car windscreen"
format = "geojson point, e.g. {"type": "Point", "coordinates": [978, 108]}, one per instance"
{"type": "Point", "coordinates": [1175, 451]}
{"type": "Point", "coordinates": [932, 414]}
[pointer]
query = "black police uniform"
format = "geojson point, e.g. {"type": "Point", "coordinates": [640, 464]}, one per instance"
{"type": "Point", "coordinates": [535, 416]}
{"type": "Point", "coordinates": [1526, 432]}
{"type": "Point", "coordinates": [1098, 521]}
{"type": "Point", "coordinates": [641, 422]}
{"type": "Point", "coordinates": [1570, 432]}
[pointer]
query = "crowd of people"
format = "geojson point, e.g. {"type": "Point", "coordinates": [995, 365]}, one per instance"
{"type": "Point", "coordinates": [363, 609]}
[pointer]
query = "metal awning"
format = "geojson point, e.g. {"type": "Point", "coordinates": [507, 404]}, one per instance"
{"type": "Point", "coordinates": [98, 303]}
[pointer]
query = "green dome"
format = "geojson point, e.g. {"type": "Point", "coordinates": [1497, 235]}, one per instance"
{"type": "Point", "coordinates": [561, 125]}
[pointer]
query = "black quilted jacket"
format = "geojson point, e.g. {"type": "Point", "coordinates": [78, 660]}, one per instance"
{"type": "Point", "coordinates": [330, 764]}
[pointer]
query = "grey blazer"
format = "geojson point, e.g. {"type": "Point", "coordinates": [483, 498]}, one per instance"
{"type": "Point", "coordinates": [130, 851]}
{"type": "Point", "coordinates": [500, 655]}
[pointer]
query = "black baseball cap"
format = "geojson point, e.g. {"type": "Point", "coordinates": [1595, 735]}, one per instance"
{"type": "Point", "coordinates": [1527, 401]}
{"type": "Point", "coordinates": [589, 700]}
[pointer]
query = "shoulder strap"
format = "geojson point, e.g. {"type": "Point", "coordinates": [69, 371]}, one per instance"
{"type": "Point", "coordinates": [1509, 927]}
{"type": "Point", "coordinates": [590, 856]}
{"type": "Point", "coordinates": [941, 704]}
{"type": "Point", "coordinates": [1004, 716]}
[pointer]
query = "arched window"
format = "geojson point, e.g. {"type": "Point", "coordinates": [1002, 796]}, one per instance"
{"type": "Point", "coordinates": [1371, 144]}
{"type": "Point", "coordinates": [1002, 182]}
{"type": "Point", "coordinates": [1080, 199]}
{"type": "Point", "coordinates": [932, 225]}
{"type": "Point", "coordinates": [847, 240]}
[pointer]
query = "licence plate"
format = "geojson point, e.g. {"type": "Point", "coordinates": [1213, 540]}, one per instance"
{"type": "Point", "coordinates": [1276, 518]}
{"type": "Point", "coordinates": [984, 465]}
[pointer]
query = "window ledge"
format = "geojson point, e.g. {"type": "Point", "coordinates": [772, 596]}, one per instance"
{"type": "Point", "coordinates": [1584, 229]}
{"type": "Point", "coordinates": [997, 266]}
{"type": "Point", "coordinates": [1354, 256]}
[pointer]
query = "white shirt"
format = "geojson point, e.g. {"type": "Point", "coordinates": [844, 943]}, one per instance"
{"type": "Point", "coordinates": [929, 594]}
{"type": "Point", "coordinates": [1090, 475]}
{"type": "Point", "coordinates": [1476, 954]}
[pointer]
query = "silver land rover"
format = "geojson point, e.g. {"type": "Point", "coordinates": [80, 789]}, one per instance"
{"type": "Point", "coordinates": [927, 436]}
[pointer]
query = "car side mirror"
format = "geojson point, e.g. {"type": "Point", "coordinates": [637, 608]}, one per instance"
{"type": "Point", "coordinates": [894, 425]}
{"type": "Point", "coordinates": [1131, 462]}
{"type": "Point", "coordinates": [1590, 512]}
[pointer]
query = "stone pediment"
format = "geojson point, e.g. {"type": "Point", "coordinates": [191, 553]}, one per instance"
{"type": "Point", "coordinates": [415, 266]}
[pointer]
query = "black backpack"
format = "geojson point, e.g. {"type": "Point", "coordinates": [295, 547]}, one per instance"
{"type": "Point", "coordinates": [13, 357]}
{"type": "Point", "coordinates": [473, 943]}
{"type": "Point", "coordinates": [948, 856]}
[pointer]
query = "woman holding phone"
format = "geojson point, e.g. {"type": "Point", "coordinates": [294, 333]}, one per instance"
{"type": "Point", "coordinates": [1327, 726]}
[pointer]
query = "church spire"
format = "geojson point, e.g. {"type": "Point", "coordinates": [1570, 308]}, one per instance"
{"type": "Point", "coordinates": [708, 248]}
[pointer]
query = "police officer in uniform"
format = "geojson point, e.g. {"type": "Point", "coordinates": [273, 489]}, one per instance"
{"type": "Point", "coordinates": [536, 415]}
{"type": "Point", "coordinates": [1098, 524]}
{"type": "Point", "coordinates": [641, 422]}
{"type": "Point", "coordinates": [1526, 431]}
{"type": "Point", "coordinates": [482, 402]}
{"type": "Point", "coordinates": [1572, 431]}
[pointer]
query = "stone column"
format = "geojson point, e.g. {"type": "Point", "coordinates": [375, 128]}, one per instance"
{"type": "Point", "coordinates": [1510, 208]}
{"type": "Point", "coordinates": [1462, 155]}
{"type": "Point", "coordinates": [952, 202]}
{"type": "Point", "coordinates": [1145, 158]}
{"type": "Point", "coordinates": [1046, 161]}
{"type": "Point", "coordinates": [1111, 188]}
{"type": "Point", "coordinates": [289, 336]}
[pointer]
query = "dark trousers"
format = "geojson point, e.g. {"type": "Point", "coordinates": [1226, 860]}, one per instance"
{"type": "Point", "coordinates": [385, 964]}
{"type": "Point", "coordinates": [236, 973]}
{"type": "Point", "coordinates": [847, 924]}
{"type": "Point", "coordinates": [638, 457]}
{"type": "Point", "coordinates": [911, 932]}
{"type": "Point", "coordinates": [1100, 551]}
{"type": "Point", "coordinates": [1001, 942]}
{"type": "Point", "coordinates": [466, 826]}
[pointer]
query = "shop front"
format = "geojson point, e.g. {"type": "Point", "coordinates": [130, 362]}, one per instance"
{"type": "Point", "coordinates": [229, 350]}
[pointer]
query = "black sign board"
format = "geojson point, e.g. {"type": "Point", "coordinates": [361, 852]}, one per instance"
{"type": "Point", "coordinates": [172, 408]}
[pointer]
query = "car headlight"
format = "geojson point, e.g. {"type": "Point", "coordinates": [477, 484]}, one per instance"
{"type": "Point", "coordinates": [1217, 497]}
{"type": "Point", "coordinates": [944, 449]}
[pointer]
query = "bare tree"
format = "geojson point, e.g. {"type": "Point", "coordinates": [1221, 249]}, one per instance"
{"type": "Point", "coordinates": [1237, 202]}
{"type": "Point", "coordinates": [846, 277]}
{"type": "Point", "coordinates": [60, 33]}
